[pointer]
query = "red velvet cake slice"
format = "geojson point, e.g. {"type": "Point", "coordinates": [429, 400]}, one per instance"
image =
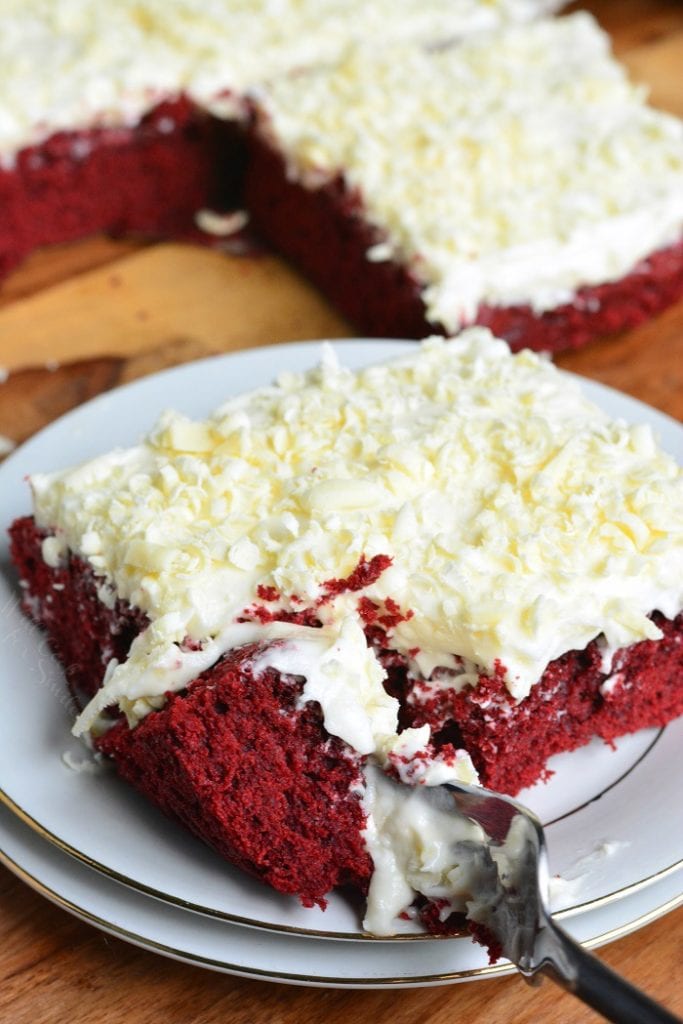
{"type": "Point", "coordinates": [516, 181]}
{"type": "Point", "coordinates": [349, 579]}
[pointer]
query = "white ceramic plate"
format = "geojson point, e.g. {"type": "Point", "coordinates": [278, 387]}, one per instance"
{"type": "Point", "coordinates": [611, 831]}
{"type": "Point", "coordinates": [296, 960]}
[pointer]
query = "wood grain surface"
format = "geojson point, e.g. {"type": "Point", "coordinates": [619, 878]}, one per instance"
{"type": "Point", "coordinates": [78, 319]}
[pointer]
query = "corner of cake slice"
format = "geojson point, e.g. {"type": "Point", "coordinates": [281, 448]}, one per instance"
{"type": "Point", "coordinates": [516, 180]}
{"type": "Point", "coordinates": [340, 589]}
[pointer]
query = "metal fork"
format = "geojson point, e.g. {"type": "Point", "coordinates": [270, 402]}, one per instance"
{"type": "Point", "coordinates": [511, 902]}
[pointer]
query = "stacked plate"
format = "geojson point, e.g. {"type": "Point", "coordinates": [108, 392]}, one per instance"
{"type": "Point", "coordinates": [73, 831]}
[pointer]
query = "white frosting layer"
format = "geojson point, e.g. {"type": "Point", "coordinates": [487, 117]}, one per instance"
{"type": "Point", "coordinates": [67, 64]}
{"type": "Point", "coordinates": [412, 836]}
{"type": "Point", "coordinates": [511, 169]}
{"type": "Point", "coordinates": [342, 674]}
{"type": "Point", "coordinates": [521, 523]}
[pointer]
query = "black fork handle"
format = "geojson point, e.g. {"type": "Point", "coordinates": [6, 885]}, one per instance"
{"type": "Point", "coordinates": [586, 977]}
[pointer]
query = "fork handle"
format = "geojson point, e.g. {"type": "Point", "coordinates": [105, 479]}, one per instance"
{"type": "Point", "coordinates": [589, 979]}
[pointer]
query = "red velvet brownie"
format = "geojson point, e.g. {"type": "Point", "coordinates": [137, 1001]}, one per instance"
{"type": "Point", "coordinates": [125, 118]}
{"type": "Point", "coordinates": [349, 579]}
{"type": "Point", "coordinates": [548, 211]}
{"type": "Point", "coordinates": [516, 181]}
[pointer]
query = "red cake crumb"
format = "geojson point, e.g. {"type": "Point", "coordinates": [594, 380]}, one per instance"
{"type": "Point", "coordinates": [323, 229]}
{"type": "Point", "coordinates": [380, 619]}
{"type": "Point", "coordinates": [365, 573]}
{"type": "Point", "coordinates": [485, 938]}
{"type": "Point", "coordinates": [430, 912]}
{"type": "Point", "coordinates": [362, 576]}
{"type": "Point", "coordinates": [149, 179]}
{"type": "Point", "coordinates": [259, 613]}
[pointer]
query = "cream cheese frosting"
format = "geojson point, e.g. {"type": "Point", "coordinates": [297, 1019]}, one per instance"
{"type": "Point", "coordinates": [71, 64]}
{"type": "Point", "coordinates": [509, 170]}
{"type": "Point", "coordinates": [519, 520]}
{"type": "Point", "coordinates": [413, 836]}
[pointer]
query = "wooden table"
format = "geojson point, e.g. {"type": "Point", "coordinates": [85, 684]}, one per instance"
{"type": "Point", "coordinates": [78, 319]}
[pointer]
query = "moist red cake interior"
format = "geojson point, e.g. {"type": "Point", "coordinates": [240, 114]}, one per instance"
{"type": "Point", "coordinates": [84, 633]}
{"type": "Point", "coordinates": [510, 743]}
{"type": "Point", "coordinates": [232, 757]}
{"type": "Point", "coordinates": [149, 179]}
{"type": "Point", "coordinates": [258, 780]}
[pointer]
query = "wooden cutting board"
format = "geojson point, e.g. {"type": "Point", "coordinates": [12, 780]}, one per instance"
{"type": "Point", "coordinates": [78, 319]}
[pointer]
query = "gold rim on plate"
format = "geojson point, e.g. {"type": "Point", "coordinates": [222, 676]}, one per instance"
{"type": "Point", "coordinates": [249, 922]}
{"type": "Point", "coordinates": [164, 949]}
